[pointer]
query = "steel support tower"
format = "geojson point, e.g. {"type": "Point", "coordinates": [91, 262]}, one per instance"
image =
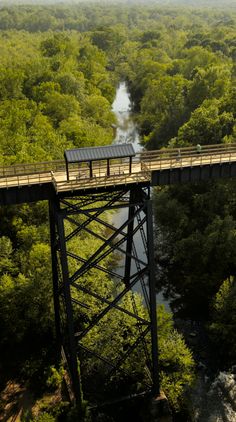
{"type": "Point", "coordinates": [84, 309]}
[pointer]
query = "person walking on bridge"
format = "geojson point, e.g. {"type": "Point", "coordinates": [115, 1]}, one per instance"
{"type": "Point", "coordinates": [178, 155]}
{"type": "Point", "coordinates": [199, 148]}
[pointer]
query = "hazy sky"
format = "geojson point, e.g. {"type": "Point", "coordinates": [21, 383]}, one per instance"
{"type": "Point", "coordinates": [158, 2]}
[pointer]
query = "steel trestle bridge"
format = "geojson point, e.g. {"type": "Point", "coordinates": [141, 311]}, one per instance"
{"type": "Point", "coordinates": [79, 206]}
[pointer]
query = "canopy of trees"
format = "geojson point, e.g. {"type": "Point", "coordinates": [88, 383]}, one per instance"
{"type": "Point", "coordinates": [59, 68]}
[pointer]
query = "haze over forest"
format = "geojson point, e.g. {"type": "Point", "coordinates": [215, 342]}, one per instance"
{"type": "Point", "coordinates": [192, 3]}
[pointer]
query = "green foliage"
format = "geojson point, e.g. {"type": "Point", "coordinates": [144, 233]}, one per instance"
{"type": "Point", "coordinates": [26, 134]}
{"type": "Point", "coordinates": [6, 256]}
{"type": "Point", "coordinates": [54, 45]}
{"type": "Point", "coordinates": [60, 106]}
{"type": "Point", "coordinates": [11, 82]}
{"type": "Point", "coordinates": [209, 82]}
{"type": "Point", "coordinates": [98, 107]}
{"type": "Point", "coordinates": [163, 108]}
{"type": "Point", "coordinates": [55, 377]}
{"type": "Point", "coordinates": [197, 247]}
{"type": "Point", "coordinates": [175, 360]}
{"type": "Point", "coordinates": [44, 417]}
{"type": "Point", "coordinates": [26, 300]}
{"type": "Point", "coordinates": [25, 277]}
{"type": "Point", "coordinates": [223, 322]}
{"type": "Point", "coordinates": [207, 125]}
{"type": "Point", "coordinates": [84, 132]}
{"type": "Point", "coordinates": [63, 77]}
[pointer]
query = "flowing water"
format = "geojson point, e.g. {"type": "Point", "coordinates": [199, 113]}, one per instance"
{"type": "Point", "coordinates": [215, 402]}
{"type": "Point", "coordinates": [127, 132]}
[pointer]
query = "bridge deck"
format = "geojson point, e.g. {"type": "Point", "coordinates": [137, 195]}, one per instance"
{"type": "Point", "coordinates": [143, 165]}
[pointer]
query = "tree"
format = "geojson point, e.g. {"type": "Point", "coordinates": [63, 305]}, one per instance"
{"type": "Point", "coordinates": [175, 360]}
{"type": "Point", "coordinates": [54, 45]}
{"type": "Point", "coordinates": [85, 132]}
{"type": "Point", "coordinates": [99, 109]}
{"type": "Point", "coordinates": [60, 106]}
{"type": "Point", "coordinates": [223, 322]}
{"type": "Point", "coordinates": [195, 244]}
{"type": "Point", "coordinates": [11, 83]}
{"type": "Point", "coordinates": [15, 116]}
{"type": "Point", "coordinates": [163, 109]}
{"type": "Point", "coordinates": [211, 82]}
{"type": "Point", "coordinates": [72, 83]}
{"type": "Point", "coordinates": [196, 57]}
{"type": "Point", "coordinates": [207, 125]}
{"type": "Point", "coordinates": [27, 135]}
{"type": "Point", "coordinates": [7, 265]}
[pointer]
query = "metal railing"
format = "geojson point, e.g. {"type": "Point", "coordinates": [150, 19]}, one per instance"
{"type": "Point", "coordinates": [25, 179]}
{"type": "Point", "coordinates": [28, 174]}
{"type": "Point", "coordinates": [211, 153]}
{"type": "Point", "coordinates": [32, 168]}
{"type": "Point", "coordinates": [102, 181]}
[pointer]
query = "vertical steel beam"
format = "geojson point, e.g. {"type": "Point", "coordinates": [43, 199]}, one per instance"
{"type": "Point", "coordinates": [55, 278]}
{"type": "Point", "coordinates": [67, 171]}
{"type": "Point", "coordinates": [71, 350]}
{"type": "Point", "coordinates": [90, 169]}
{"type": "Point", "coordinates": [152, 293]}
{"type": "Point", "coordinates": [129, 242]}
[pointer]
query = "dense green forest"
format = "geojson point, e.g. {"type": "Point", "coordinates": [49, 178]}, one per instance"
{"type": "Point", "coordinates": [59, 69]}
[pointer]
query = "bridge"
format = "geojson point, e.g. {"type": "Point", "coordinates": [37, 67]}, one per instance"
{"type": "Point", "coordinates": [161, 167]}
{"type": "Point", "coordinates": [81, 196]}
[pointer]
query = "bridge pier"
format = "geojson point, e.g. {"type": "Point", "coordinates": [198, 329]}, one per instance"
{"type": "Point", "coordinates": [70, 218]}
{"type": "Point", "coordinates": [159, 409]}
{"type": "Point", "coordinates": [61, 289]}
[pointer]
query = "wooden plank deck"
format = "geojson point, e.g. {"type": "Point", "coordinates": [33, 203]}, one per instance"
{"type": "Point", "coordinates": [143, 166]}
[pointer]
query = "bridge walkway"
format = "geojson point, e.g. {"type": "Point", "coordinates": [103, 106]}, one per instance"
{"type": "Point", "coordinates": [144, 164]}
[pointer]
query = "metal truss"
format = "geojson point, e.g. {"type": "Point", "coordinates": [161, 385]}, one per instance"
{"type": "Point", "coordinates": [115, 255]}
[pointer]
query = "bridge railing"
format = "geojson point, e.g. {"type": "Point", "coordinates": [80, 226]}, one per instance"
{"type": "Point", "coordinates": [32, 168]}
{"type": "Point", "coordinates": [102, 181]}
{"type": "Point", "coordinates": [188, 156]}
{"type": "Point", "coordinates": [158, 159]}
{"type": "Point", "coordinates": [20, 180]}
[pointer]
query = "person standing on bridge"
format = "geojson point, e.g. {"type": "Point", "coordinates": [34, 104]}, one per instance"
{"type": "Point", "coordinates": [178, 155]}
{"type": "Point", "coordinates": [199, 148]}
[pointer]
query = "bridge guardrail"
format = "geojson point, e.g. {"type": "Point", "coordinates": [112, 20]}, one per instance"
{"type": "Point", "coordinates": [190, 150]}
{"type": "Point", "coordinates": [26, 179]}
{"type": "Point", "coordinates": [23, 174]}
{"type": "Point", "coordinates": [162, 154]}
{"type": "Point", "coordinates": [189, 156]}
{"type": "Point", "coordinates": [32, 168]}
{"type": "Point", "coordinates": [104, 181]}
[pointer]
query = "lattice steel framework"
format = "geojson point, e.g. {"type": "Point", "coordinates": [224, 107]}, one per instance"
{"type": "Point", "coordinates": [84, 309]}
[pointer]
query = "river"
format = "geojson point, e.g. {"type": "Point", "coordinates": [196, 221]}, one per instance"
{"type": "Point", "coordinates": [127, 132]}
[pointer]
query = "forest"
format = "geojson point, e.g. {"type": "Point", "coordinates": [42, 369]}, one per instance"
{"type": "Point", "coordinates": [59, 69]}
